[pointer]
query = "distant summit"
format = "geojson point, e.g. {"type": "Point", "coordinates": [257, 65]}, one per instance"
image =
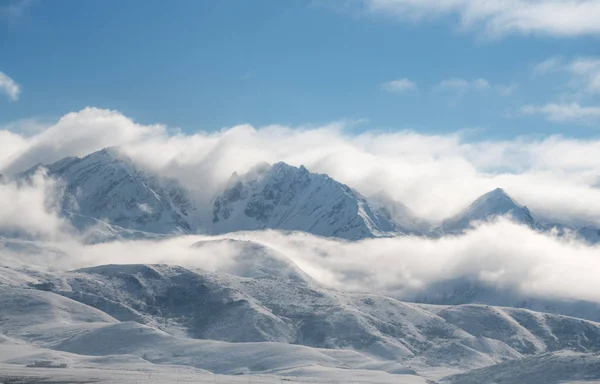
{"type": "Point", "coordinates": [487, 207]}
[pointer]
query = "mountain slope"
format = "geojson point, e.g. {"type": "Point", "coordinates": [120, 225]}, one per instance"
{"type": "Point", "coordinates": [289, 198]}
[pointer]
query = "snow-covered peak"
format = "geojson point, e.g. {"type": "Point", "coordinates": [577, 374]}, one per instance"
{"type": "Point", "coordinates": [285, 197]}
{"type": "Point", "coordinates": [493, 204]}
{"type": "Point", "coordinates": [106, 185]}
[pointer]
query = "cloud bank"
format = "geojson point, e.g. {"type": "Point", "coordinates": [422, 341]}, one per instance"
{"type": "Point", "coordinates": [565, 112]}
{"type": "Point", "coordinates": [530, 264]}
{"type": "Point", "coordinates": [435, 175]}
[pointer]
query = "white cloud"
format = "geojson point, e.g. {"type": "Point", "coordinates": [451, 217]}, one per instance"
{"type": "Point", "coordinates": [564, 18]}
{"type": "Point", "coordinates": [75, 134]}
{"type": "Point", "coordinates": [399, 85]}
{"type": "Point", "coordinates": [565, 112]}
{"type": "Point", "coordinates": [9, 87]}
{"type": "Point", "coordinates": [29, 209]}
{"type": "Point", "coordinates": [530, 263]}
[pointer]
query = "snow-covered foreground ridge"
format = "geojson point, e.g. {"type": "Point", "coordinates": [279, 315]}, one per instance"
{"type": "Point", "coordinates": [107, 190]}
{"type": "Point", "coordinates": [154, 318]}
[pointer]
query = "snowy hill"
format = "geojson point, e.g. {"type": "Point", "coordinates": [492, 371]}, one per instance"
{"type": "Point", "coordinates": [107, 186]}
{"type": "Point", "coordinates": [548, 368]}
{"type": "Point", "coordinates": [469, 291]}
{"type": "Point", "coordinates": [158, 312]}
{"type": "Point", "coordinates": [290, 198]}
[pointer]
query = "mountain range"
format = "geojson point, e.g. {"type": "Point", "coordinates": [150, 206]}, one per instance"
{"type": "Point", "coordinates": [260, 317]}
{"type": "Point", "coordinates": [107, 188]}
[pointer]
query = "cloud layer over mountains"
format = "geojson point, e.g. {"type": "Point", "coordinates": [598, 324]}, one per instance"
{"type": "Point", "coordinates": [434, 175]}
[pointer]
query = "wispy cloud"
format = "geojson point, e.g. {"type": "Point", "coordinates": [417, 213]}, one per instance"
{"type": "Point", "coordinates": [584, 72]}
{"type": "Point", "coordinates": [14, 10]}
{"type": "Point", "coordinates": [9, 87]}
{"type": "Point", "coordinates": [566, 112]}
{"type": "Point", "coordinates": [565, 18]}
{"type": "Point", "coordinates": [549, 65]}
{"type": "Point", "coordinates": [506, 90]}
{"type": "Point", "coordinates": [399, 85]}
{"type": "Point", "coordinates": [455, 84]}
{"type": "Point", "coordinates": [463, 85]}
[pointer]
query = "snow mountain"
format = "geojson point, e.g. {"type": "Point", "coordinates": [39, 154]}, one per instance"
{"type": "Point", "coordinates": [107, 186]}
{"type": "Point", "coordinates": [487, 207]}
{"type": "Point", "coordinates": [498, 203]}
{"type": "Point", "coordinates": [108, 197]}
{"type": "Point", "coordinates": [290, 198]}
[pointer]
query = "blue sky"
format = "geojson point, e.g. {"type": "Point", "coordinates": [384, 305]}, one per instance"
{"type": "Point", "coordinates": [433, 67]}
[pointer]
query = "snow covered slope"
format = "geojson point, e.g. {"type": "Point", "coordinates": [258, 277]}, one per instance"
{"type": "Point", "coordinates": [107, 186]}
{"type": "Point", "coordinates": [199, 305]}
{"type": "Point", "coordinates": [549, 368]}
{"type": "Point", "coordinates": [169, 315]}
{"type": "Point", "coordinates": [469, 291]}
{"type": "Point", "coordinates": [284, 197]}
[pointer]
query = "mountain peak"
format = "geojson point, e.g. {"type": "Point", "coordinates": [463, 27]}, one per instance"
{"type": "Point", "coordinates": [488, 206]}
{"type": "Point", "coordinates": [285, 168]}
{"type": "Point", "coordinates": [286, 197]}
{"type": "Point", "coordinates": [108, 154]}
{"type": "Point", "coordinates": [497, 196]}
